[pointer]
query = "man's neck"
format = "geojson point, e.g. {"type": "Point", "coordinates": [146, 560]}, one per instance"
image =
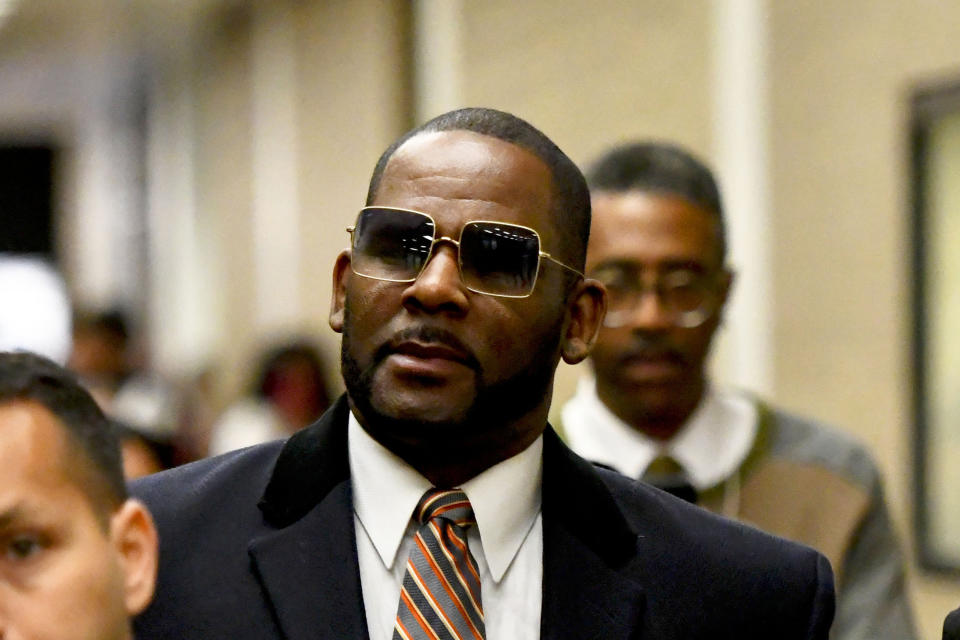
{"type": "Point", "coordinates": [449, 464]}
{"type": "Point", "coordinates": [453, 470]}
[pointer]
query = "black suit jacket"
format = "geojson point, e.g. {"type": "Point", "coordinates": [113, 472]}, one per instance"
{"type": "Point", "coordinates": [259, 544]}
{"type": "Point", "coordinates": [951, 626]}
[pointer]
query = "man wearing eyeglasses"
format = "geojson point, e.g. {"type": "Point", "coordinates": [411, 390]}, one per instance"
{"type": "Point", "coordinates": [432, 501]}
{"type": "Point", "coordinates": [658, 245]}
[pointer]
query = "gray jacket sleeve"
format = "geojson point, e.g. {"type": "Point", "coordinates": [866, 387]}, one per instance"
{"type": "Point", "coordinates": [872, 601]}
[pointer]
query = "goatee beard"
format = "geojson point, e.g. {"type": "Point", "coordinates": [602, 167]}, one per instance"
{"type": "Point", "coordinates": [494, 407]}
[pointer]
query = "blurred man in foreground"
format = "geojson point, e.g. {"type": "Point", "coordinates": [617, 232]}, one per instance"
{"type": "Point", "coordinates": [658, 245]}
{"type": "Point", "coordinates": [77, 557]}
{"type": "Point", "coordinates": [432, 501]}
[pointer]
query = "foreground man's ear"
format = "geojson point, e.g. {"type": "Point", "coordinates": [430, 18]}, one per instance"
{"type": "Point", "coordinates": [341, 273]}
{"type": "Point", "coordinates": [586, 307]}
{"type": "Point", "coordinates": [135, 540]}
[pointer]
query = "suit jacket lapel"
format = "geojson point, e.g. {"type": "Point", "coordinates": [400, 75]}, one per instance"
{"type": "Point", "coordinates": [308, 564]}
{"type": "Point", "coordinates": [309, 572]}
{"type": "Point", "coordinates": [586, 545]}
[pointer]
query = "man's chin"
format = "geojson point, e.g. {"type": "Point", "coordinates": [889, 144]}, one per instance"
{"type": "Point", "coordinates": [429, 412]}
{"type": "Point", "coordinates": [440, 404]}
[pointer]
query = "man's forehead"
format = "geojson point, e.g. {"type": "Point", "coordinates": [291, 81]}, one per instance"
{"type": "Point", "coordinates": [39, 455]}
{"type": "Point", "coordinates": [480, 162]}
{"type": "Point", "coordinates": [429, 143]}
{"type": "Point", "coordinates": [463, 173]}
{"type": "Point", "coordinates": [33, 456]}
{"type": "Point", "coordinates": [653, 225]}
{"type": "Point", "coordinates": [31, 437]}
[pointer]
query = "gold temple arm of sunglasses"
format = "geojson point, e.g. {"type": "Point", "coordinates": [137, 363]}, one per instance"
{"type": "Point", "coordinates": [544, 254]}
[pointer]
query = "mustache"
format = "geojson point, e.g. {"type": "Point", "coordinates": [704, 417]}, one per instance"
{"type": "Point", "coordinates": [428, 335]}
{"type": "Point", "coordinates": [650, 347]}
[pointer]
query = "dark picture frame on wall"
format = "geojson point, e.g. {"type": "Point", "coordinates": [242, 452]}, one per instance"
{"type": "Point", "coordinates": [935, 224]}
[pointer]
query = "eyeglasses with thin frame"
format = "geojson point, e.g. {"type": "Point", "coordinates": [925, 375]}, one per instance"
{"type": "Point", "coordinates": [494, 258]}
{"type": "Point", "coordinates": [688, 298]}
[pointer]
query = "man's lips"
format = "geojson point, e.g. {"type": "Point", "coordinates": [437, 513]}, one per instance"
{"type": "Point", "coordinates": [428, 352]}
{"type": "Point", "coordinates": [651, 366]}
{"type": "Point", "coordinates": [425, 360]}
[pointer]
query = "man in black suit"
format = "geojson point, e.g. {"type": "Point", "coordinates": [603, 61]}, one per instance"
{"type": "Point", "coordinates": [460, 293]}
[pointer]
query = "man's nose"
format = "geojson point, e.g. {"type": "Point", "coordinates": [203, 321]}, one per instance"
{"type": "Point", "coordinates": [439, 287]}
{"type": "Point", "coordinates": [649, 312]}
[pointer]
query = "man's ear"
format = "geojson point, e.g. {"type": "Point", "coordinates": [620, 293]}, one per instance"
{"type": "Point", "coordinates": [586, 307]}
{"type": "Point", "coordinates": [341, 274]}
{"type": "Point", "coordinates": [135, 540]}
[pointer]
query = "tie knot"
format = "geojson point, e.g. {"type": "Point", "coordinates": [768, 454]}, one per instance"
{"type": "Point", "coordinates": [663, 466]}
{"type": "Point", "coordinates": [666, 473]}
{"type": "Point", "coordinates": [451, 504]}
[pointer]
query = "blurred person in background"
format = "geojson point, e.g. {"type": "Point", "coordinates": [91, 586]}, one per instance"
{"type": "Point", "coordinates": [289, 392]}
{"type": "Point", "coordinates": [658, 244]}
{"type": "Point", "coordinates": [143, 404]}
{"type": "Point", "coordinates": [34, 307]}
{"type": "Point", "coordinates": [35, 315]}
{"type": "Point", "coordinates": [141, 456]}
{"type": "Point", "coordinates": [100, 353]}
{"type": "Point", "coordinates": [77, 556]}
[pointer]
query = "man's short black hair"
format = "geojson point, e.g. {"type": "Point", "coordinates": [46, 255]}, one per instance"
{"type": "Point", "coordinates": [571, 198]}
{"type": "Point", "coordinates": [26, 376]}
{"type": "Point", "coordinates": [660, 167]}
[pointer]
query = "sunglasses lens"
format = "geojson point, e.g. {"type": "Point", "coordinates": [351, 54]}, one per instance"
{"type": "Point", "coordinates": [390, 244]}
{"type": "Point", "coordinates": [498, 258]}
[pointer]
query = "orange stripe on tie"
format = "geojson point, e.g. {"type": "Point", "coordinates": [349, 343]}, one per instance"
{"type": "Point", "coordinates": [449, 589]}
{"type": "Point", "coordinates": [405, 597]}
{"type": "Point", "coordinates": [474, 599]}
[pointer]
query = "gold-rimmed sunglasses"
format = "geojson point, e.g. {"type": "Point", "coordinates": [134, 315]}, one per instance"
{"type": "Point", "coordinates": [494, 258]}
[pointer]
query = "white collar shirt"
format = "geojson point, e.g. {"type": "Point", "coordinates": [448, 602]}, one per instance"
{"type": "Point", "coordinates": [710, 446]}
{"type": "Point", "coordinates": [507, 542]}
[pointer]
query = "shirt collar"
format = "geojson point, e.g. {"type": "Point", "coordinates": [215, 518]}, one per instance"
{"type": "Point", "coordinates": [386, 490]}
{"type": "Point", "coordinates": [712, 444]}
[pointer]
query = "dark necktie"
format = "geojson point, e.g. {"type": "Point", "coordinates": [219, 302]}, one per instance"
{"type": "Point", "coordinates": [440, 597]}
{"type": "Point", "coordinates": [667, 474]}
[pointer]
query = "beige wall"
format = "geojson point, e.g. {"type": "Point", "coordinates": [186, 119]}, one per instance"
{"type": "Point", "coordinates": [590, 75]}
{"type": "Point", "coordinates": [354, 72]}
{"type": "Point", "coordinates": [351, 100]}
{"type": "Point", "coordinates": [223, 179]}
{"type": "Point", "coordinates": [841, 75]}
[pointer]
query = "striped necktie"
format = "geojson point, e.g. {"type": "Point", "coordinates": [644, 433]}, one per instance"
{"type": "Point", "coordinates": [440, 597]}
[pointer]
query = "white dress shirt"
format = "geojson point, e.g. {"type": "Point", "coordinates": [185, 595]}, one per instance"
{"type": "Point", "coordinates": [507, 542]}
{"type": "Point", "coordinates": [711, 446]}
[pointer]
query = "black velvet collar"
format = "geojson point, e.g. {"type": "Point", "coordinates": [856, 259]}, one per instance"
{"type": "Point", "coordinates": [311, 463]}
{"type": "Point", "coordinates": [315, 459]}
